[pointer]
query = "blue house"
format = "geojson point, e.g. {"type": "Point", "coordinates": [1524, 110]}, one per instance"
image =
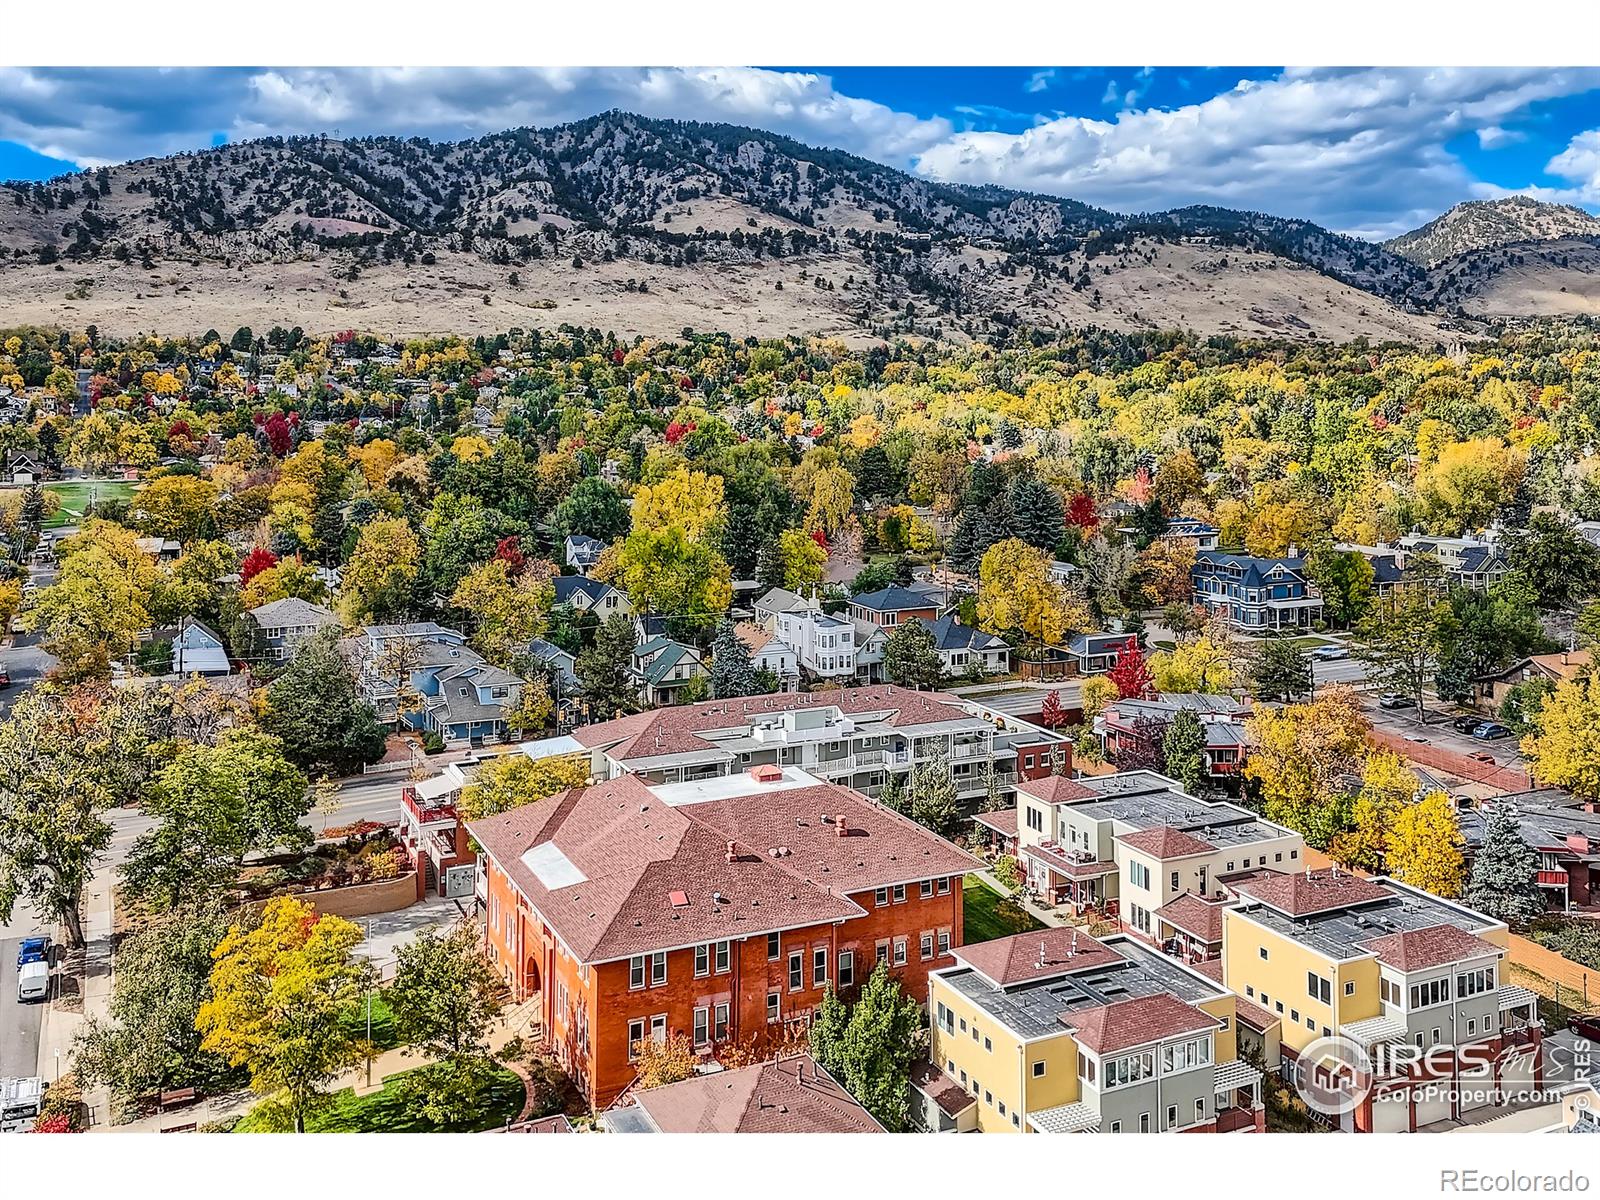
{"type": "Point", "coordinates": [1255, 595]}
{"type": "Point", "coordinates": [198, 650]}
{"type": "Point", "coordinates": [449, 688]}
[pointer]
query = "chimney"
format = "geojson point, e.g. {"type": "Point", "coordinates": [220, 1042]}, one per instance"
{"type": "Point", "coordinates": [732, 851]}
{"type": "Point", "coordinates": [1072, 950]}
{"type": "Point", "coordinates": [1041, 953]}
{"type": "Point", "coordinates": [843, 826]}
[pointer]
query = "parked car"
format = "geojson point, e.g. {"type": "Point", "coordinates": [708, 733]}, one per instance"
{"type": "Point", "coordinates": [1585, 1025]}
{"type": "Point", "coordinates": [1329, 653]}
{"type": "Point", "coordinates": [1466, 724]}
{"type": "Point", "coordinates": [1395, 700]}
{"type": "Point", "coordinates": [34, 949]}
{"type": "Point", "coordinates": [33, 982]}
{"type": "Point", "coordinates": [1491, 731]}
{"type": "Point", "coordinates": [5, 678]}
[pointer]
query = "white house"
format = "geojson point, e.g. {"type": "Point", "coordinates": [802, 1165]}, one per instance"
{"type": "Point", "coordinates": [825, 646]}
{"type": "Point", "coordinates": [588, 595]}
{"type": "Point", "coordinates": [583, 552]}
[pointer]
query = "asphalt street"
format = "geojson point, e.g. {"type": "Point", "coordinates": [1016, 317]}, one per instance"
{"type": "Point", "coordinates": [19, 1023]}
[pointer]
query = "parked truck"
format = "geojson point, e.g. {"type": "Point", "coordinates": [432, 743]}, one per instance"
{"type": "Point", "coordinates": [20, 1100]}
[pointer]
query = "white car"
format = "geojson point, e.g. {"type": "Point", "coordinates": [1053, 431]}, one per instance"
{"type": "Point", "coordinates": [1329, 653]}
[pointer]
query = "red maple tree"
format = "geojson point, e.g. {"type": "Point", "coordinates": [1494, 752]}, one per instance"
{"type": "Point", "coordinates": [1052, 715]}
{"type": "Point", "coordinates": [279, 437]}
{"type": "Point", "coordinates": [1131, 673]}
{"type": "Point", "coordinates": [258, 560]}
{"type": "Point", "coordinates": [1081, 511]}
{"type": "Point", "coordinates": [509, 551]}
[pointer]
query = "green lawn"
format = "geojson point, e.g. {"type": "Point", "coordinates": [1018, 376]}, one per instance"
{"type": "Point", "coordinates": [75, 497]}
{"type": "Point", "coordinates": [987, 915]}
{"type": "Point", "coordinates": [383, 1034]}
{"type": "Point", "coordinates": [387, 1111]}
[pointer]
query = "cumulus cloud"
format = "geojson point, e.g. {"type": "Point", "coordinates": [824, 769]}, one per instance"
{"type": "Point", "coordinates": [1336, 146]}
{"type": "Point", "coordinates": [1495, 136]}
{"type": "Point", "coordinates": [1580, 162]}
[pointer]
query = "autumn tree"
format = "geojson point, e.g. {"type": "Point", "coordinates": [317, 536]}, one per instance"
{"type": "Point", "coordinates": [1301, 755]}
{"type": "Point", "coordinates": [314, 709]}
{"type": "Point", "coordinates": [508, 609]}
{"type": "Point", "coordinates": [687, 500]}
{"type": "Point", "coordinates": [658, 1062]}
{"type": "Point", "coordinates": [1400, 640]}
{"type": "Point", "coordinates": [1425, 846]}
{"type": "Point", "coordinates": [1051, 714]}
{"type": "Point", "coordinates": [1016, 594]}
{"type": "Point", "coordinates": [1094, 694]}
{"type": "Point", "coordinates": [1387, 785]}
{"type": "Point", "coordinates": [514, 780]}
{"type": "Point", "coordinates": [284, 992]}
{"type": "Point", "coordinates": [1344, 578]}
{"type": "Point", "coordinates": [97, 609]}
{"type": "Point", "coordinates": [1562, 749]}
{"type": "Point", "coordinates": [1203, 664]}
{"type": "Point", "coordinates": [1130, 674]}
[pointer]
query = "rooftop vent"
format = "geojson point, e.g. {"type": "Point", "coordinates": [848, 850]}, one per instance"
{"type": "Point", "coordinates": [732, 851]}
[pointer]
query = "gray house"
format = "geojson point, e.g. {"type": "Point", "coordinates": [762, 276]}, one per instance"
{"type": "Point", "coordinates": [284, 624]}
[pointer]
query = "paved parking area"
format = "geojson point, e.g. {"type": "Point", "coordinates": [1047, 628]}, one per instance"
{"type": "Point", "coordinates": [387, 932]}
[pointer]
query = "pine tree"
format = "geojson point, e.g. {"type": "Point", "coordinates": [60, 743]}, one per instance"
{"type": "Point", "coordinates": [893, 795]}
{"type": "Point", "coordinates": [1503, 871]}
{"type": "Point", "coordinates": [968, 543]}
{"type": "Point", "coordinates": [732, 672]}
{"type": "Point", "coordinates": [604, 670]}
{"type": "Point", "coordinates": [1036, 514]}
{"type": "Point", "coordinates": [1184, 746]}
{"type": "Point", "coordinates": [910, 657]}
{"type": "Point", "coordinates": [769, 566]}
{"type": "Point", "coordinates": [933, 796]}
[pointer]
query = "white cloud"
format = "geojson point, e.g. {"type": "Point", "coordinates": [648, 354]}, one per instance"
{"type": "Point", "coordinates": [1040, 80]}
{"type": "Point", "coordinates": [1338, 147]}
{"type": "Point", "coordinates": [1580, 162]}
{"type": "Point", "coordinates": [1495, 136]}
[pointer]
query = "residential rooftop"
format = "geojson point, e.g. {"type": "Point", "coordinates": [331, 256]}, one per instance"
{"type": "Point", "coordinates": [1144, 800]}
{"type": "Point", "coordinates": [785, 1095]}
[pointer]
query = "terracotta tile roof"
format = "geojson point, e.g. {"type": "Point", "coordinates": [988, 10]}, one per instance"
{"type": "Point", "coordinates": [1036, 955]}
{"type": "Point", "coordinates": [1056, 789]}
{"type": "Point", "coordinates": [1003, 821]}
{"type": "Point", "coordinates": [1254, 1015]}
{"type": "Point", "coordinates": [1164, 842]}
{"type": "Point", "coordinates": [1418, 949]}
{"type": "Point", "coordinates": [1307, 892]}
{"type": "Point", "coordinates": [949, 1095]}
{"type": "Point", "coordinates": [1137, 1021]}
{"type": "Point", "coordinates": [675, 730]}
{"type": "Point", "coordinates": [601, 863]}
{"type": "Point", "coordinates": [1194, 915]}
{"type": "Point", "coordinates": [1211, 968]}
{"type": "Point", "coordinates": [788, 1095]}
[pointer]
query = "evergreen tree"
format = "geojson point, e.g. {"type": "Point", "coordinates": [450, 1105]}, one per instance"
{"type": "Point", "coordinates": [732, 672]}
{"type": "Point", "coordinates": [769, 566]}
{"type": "Point", "coordinates": [1036, 514]}
{"type": "Point", "coordinates": [969, 541]}
{"type": "Point", "coordinates": [1502, 882]}
{"type": "Point", "coordinates": [910, 657]}
{"type": "Point", "coordinates": [1184, 746]}
{"type": "Point", "coordinates": [875, 476]}
{"type": "Point", "coordinates": [933, 796]}
{"type": "Point", "coordinates": [315, 709]}
{"type": "Point", "coordinates": [605, 670]}
{"type": "Point", "coordinates": [1280, 670]}
{"type": "Point", "coordinates": [893, 796]}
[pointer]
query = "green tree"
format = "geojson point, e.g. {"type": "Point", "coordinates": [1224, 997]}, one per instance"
{"type": "Point", "coordinates": [879, 1045]}
{"type": "Point", "coordinates": [313, 708]}
{"type": "Point", "coordinates": [445, 996]}
{"type": "Point", "coordinates": [594, 509]}
{"type": "Point", "coordinates": [1344, 577]}
{"type": "Point", "coordinates": [911, 658]}
{"type": "Point", "coordinates": [933, 796]}
{"type": "Point", "coordinates": [1560, 565]}
{"type": "Point", "coordinates": [1401, 640]}
{"type": "Point", "coordinates": [1504, 870]}
{"type": "Point", "coordinates": [604, 670]}
{"type": "Point", "coordinates": [149, 1043]}
{"type": "Point", "coordinates": [1185, 749]}
{"type": "Point", "coordinates": [732, 672]}
{"type": "Point", "coordinates": [825, 1037]}
{"type": "Point", "coordinates": [1036, 514]}
{"type": "Point", "coordinates": [214, 805]}
{"type": "Point", "coordinates": [1280, 670]}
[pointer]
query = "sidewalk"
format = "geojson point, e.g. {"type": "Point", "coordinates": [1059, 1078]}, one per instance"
{"type": "Point", "coordinates": [60, 1024]}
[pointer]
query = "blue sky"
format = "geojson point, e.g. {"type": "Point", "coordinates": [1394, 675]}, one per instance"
{"type": "Point", "coordinates": [1367, 151]}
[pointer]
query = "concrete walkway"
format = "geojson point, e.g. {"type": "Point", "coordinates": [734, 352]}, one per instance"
{"type": "Point", "coordinates": [92, 973]}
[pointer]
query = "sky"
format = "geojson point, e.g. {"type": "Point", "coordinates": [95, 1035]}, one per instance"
{"type": "Point", "coordinates": [1366, 151]}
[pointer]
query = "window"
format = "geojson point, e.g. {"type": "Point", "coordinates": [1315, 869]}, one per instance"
{"type": "Point", "coordinates": [1262, 951]}
{"type": "Point", "coordinates": [1246, 864]}
{"type": "Point", "coordinates": [772, 1007]}
{"type": "Point", "coordinates": [797, 970]}
{"type": "Point", "coordinates": [1116, 1127]}
{"type": "Point", "coordinates": [658, 968]}
{"type": "Point", "coordinates": [1230, 866]}
{"type": "Point", "coordinates": [702, 961]}
{"type": "Point", "coordinates": [974, 1033]}
{"type": "Point", "coordinates": [1472, 1026]}
{"type": "Point", "coordinates": [636, 972]}
{"type": "Point", "coordinates": [1130, 1069]}
{"type": "Point", "coordinates": [1473, 983]}
{"type": "Point", "coordinates": [702, 1026]}
{"type": "Point", "coordinates": [1278, 1005]}
{"type": "Point", "coordinates": [1249, 990]}
{"type": "Point", "coordinates": [1174, 881]}
{"type": "Point", "coordinates": [988, 1097]}
{"type": "Point", "coordinates": [635, 1036]}
{"type": "Point", "coordinates": [1319, 988]}
{"type": "Point", "coordinates": [883, 952]}
{"type": "Point", "coordinates": [899, 893]}
{"type": "Point", "coordinates": [1434, 991]}
{"type": "Point", "coordinates": [1016, 1121]}
{"type": "Point", "coordinates": [927, 946]}
{"type": "Point", "coordinates": [1294, 854]}
{"type": "Point", "coordinates": [988, 1045]}
{"type": "Point", "coordinates": [1002, 1108]}
{"type": "Point", "coordinates": [944, 886]}
{"type": "Point", "coordinates": [847, 968]}
{"type": "Point", "coordinates": [658, 1028]}
{"type": "Point", "coordinates": [1144, 1122]}
{"type": "Point", "coordinates": [1185, 1055]}
{"type": "Point", "coordinates": [719, 1029]}
{"type": "Point", "coordinates": [963, 1024]}
{"type": "Point", "coordinates": [1278, 857]}
{"type": "Point", "coordinates": [819, 966]}
{"type": "Point", "coordinates": [1172, 1116]}
{"type": "Point", "coordinates": [1350, 987]}
{"type": "Point", "coordinates": [900, 952]}
{"type": "Point", "coordinates": [772, 947]}
{"type": "Point", "coordinates": [1139, 875]}
{"type": "Point", "coordinates": [1389, 991]}
{"type": "Point", "coordinates": [944, 941]}
{"type": "Point", "coordinates": [1035, 819]}
{"type": "Point", "coordinates": [880, 897]}
{"type": "Point", "coordinates": [1038, 1069]}
{"type": "Point", "coordinates": [926, 888]}
{"type": "Point", "coordinates": [722, 953]}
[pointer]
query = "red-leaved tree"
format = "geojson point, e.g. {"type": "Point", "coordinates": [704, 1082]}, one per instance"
{"type": "Point", "coordinates": [1081, 511]}
{"type": "Point", "coordinates": [258, 560]}
{"type": "Point", "coordinates": [1052, 715]}
{"type": "Point", "coordinates": [278, 434]}
{"type": "Point", "coordinates": [1131, 673]}
{"type": "Point", "coordinates": [509, 551]}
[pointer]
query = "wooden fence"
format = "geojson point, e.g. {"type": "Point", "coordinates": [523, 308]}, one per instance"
{"type": "Point", "coordinates": [1579, 985]}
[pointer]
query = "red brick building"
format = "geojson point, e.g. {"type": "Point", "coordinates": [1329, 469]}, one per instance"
{"type": "Point", "coordinates": [720, 909]}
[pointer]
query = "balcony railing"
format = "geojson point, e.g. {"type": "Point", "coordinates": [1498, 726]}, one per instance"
{"type": "Point", "coordinates": [1230, 1120]}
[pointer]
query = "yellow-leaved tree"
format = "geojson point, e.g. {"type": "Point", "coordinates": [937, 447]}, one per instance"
{"type": "Point", "coordinates": [1425, 846]}
{"type": "Point", "coordinates": [513, 780]}
{"type": "Point", "coordinates": [687, 500]}
{"type": "Point", "coordinates": [1017, 594]}
{"type": "Point", "coordinates": [1564, 746]}
{"type": "Point", "coordinates": [1301, 754]}
{"type": "Point", "coordinates": [1199, 664]}
{"type": "Point", "coordinates": [282, 990]}
{"type": "Point", "coordinates": [377, 579]}
{"type": "Point", "coordinates": [1387, 785]}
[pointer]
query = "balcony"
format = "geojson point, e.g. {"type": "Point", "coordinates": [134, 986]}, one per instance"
{"type": "Point", "coordinates": [1231, 1120]}
{"type": "Point", "coordinates": [1556, 878]}
{"type": "Point", "coordinates": [970, 750]}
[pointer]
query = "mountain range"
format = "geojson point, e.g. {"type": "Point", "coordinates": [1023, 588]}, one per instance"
{"type": "Point", "coordinates": [648, 226]}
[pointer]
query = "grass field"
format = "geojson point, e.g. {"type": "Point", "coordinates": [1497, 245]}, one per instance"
{"type": "Point", "coordinates": [388, 1110]}
{"type": "Point", "coordinates": [987, 915]}
{"type": "Point", "coordinates": [75, 497]}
